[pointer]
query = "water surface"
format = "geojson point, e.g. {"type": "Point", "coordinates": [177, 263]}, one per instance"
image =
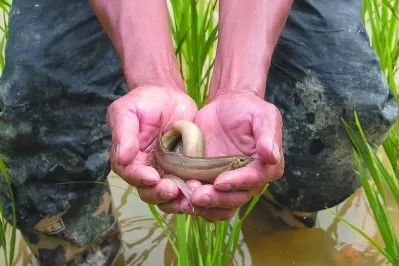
{"type": "Point", "coordinates": [267, 241]}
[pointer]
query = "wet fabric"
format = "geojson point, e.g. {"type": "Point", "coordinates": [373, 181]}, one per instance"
{"type": "Point", "coordinates": [60, 76]}
{"type": "Point", "coordinates": [323, 68]}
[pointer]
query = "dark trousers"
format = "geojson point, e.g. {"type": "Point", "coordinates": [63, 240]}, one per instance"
{"type": "Point", "coordinates": [62, 72]}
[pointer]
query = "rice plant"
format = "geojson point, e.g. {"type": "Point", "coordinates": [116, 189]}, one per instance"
{"type": "Point", "coordinates": [382, 21]}
{"type": "Point", "coordinates": [197, 242]}
{"type": "Point", "coordinates": [4, 9]}
{"type": "Point", "coordinates": [194, 32]}
{"type": "Point", "coordinates": [382, 182]}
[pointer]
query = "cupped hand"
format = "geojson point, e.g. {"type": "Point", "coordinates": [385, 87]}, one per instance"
{"type": "Point", "coordinates": [239, 124]}
{"type": "Point", "coordinates": [135, 121]}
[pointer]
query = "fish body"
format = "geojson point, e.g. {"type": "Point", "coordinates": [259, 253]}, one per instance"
{"type": "Point", "coordinates": [171, 156]}
{"type": "Point", "coordinates": [199, 168]}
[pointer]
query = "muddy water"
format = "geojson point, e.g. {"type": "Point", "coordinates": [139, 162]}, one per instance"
{"type": "Point", "coordinates": [268, 241]}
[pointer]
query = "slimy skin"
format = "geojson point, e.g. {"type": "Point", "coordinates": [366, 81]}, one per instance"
{"type": "Point", "coordinates": [181, 166]}
{"type": "Point", "coordinates": [193, 167]}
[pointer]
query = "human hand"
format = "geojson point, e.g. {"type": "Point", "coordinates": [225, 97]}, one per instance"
{"type": "Point", "coordinates": [241, 123]}
{"type": "Point", "coordinates": [135, 121]}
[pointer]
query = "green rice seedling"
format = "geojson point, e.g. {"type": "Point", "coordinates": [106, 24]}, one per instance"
{"type": "Point", "coordinates": [381, 18]}
{"type": "Point", "coordinates": [4, 9]}
{"type": "Point", "coordinates": [194, 31]}
{"type": "Point", "coordinates": [382, 21]}
{"type": "Point", "coordinates": [194, 241]}
{"type": "Point", "coordinates": [391, 148]}
{"type": "Point", "coordinates": [376, 189]}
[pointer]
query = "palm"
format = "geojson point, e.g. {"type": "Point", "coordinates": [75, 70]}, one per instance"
{"type": "Point", "coordinates": [233, 124]}
{"type": "Point", "coordinates": [238, 124]}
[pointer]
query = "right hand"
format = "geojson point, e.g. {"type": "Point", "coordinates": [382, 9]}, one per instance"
{"type": "Point", "coordinates": [135, 121]}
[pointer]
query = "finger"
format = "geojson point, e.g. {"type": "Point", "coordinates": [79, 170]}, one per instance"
{"type": "Point", "coordinates": [274, 172]}
{"type": "Point", "coordinates": [140, 175]}
{"type": "Point", "coordinates": [162, 192]}
{"type": "Point", "coordinates": [181, 204]}
{"type": "Point", "coordinates": [176, 205]}
{"type": "Point", "coordinates": [268, 136]}
{"type": "Point", "coordinates": [252, 178]}
{"type": "Point", "coordinates": [173, 206]}
{"type": "Point", "coordinates": [124, 125]}
{"type": "Point", "coordinates": [215, 214]}
{"type": "Point", "coordinates": [207, 196]}
{"type": "Point", "coordinates": [193, 184]}
{"type": "Point", "coordinates": [247, 178]}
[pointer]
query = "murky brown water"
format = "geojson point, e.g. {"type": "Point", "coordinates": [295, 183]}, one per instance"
{"type": "Point", "coordinates": [268, 241]}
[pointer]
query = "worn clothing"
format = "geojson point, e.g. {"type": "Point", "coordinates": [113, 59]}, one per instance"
{"type": "Point", "coordinates": [60, 76]}
{"type": "Point", "coordinates": [62, 72]}
{"type": "Point", "coordinates": [323, 69]}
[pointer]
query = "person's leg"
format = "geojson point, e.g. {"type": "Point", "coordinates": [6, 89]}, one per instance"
{"type": "Point", "coordinates": [323, 69]}
{"type": "Point", "coordinates": [61, 74]}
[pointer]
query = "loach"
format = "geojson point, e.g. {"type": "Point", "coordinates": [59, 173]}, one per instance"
{"type": "Point", "coordinates": [178, 166]}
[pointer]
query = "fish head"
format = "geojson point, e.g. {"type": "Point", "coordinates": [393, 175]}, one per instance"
{"type": "Point", "coordinates": [241, 161]}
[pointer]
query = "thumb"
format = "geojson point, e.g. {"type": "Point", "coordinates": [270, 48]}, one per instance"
{"type": "Point", "coordinates": [268, 150]}
{"type": "Point", "coordinates": [267, 133]}
{"type": "Point", "coordinates": [124, 125]}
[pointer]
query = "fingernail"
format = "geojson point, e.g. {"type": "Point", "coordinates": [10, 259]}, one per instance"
{"type": "Point", "coordinates": [149, 182]}
{"type": "Point", "coordinates": [223, 187]}
{"type": "Point", "coordinates": [276, 153]}
{"type": "Point", "coordinates": [204, 200]}
{"type": "Point", "coordinates": [167, 196]}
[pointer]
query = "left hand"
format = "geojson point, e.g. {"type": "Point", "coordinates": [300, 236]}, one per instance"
{"type": "Point", "coordinates": [236, 124]}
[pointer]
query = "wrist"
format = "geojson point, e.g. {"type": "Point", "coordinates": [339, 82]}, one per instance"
{"type": "Point", "coordinates": [159, 80]}
{"type": "Point", "coordinates": [156, 73]}
{"type": "Point", "coordinates": [243, 59]}
{"type": "Point", "coordinates": [235, 93]}
{"type": "Point", "coordinates": [230, 79]}
{"type": "Point", "coordinates": [159, 87]}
